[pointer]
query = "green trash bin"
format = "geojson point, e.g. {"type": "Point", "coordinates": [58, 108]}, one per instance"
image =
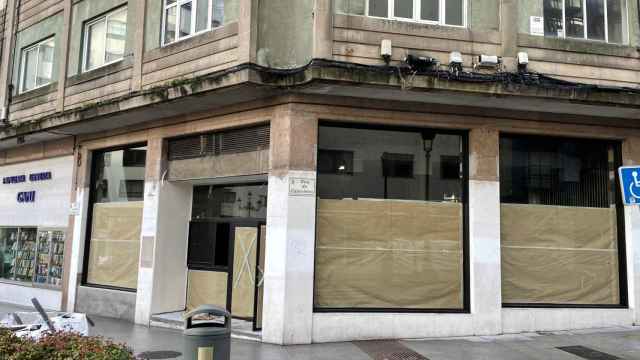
{"type": "Point", "coordinates": [207, 339]}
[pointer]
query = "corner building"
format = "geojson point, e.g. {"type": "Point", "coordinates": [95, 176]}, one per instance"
{"type": "Point", "coordinates": [263, 156]}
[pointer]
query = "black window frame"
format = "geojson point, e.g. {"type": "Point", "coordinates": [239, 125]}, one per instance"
{"type": "Point", "coordinates": [621, 234]}
{"type": "Point", "coordinates": [464, 200]}
{"type": "Point", "coordinates": [87, 239]}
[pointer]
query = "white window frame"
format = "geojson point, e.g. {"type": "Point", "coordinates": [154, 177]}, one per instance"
{"type": "Point", "coordinates": [585, 35]}
{"type": "Point", "coordinates": [23, 69]}
{"type": "Point", "coordinates": [177, 5]}
{"type": "Point", "coordinates": [85, 52]}
{"type": "Point", "coordinates": [417, 4]}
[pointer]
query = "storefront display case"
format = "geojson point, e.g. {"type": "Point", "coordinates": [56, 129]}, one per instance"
{"type": "Point", "coordinates": [32, 255]}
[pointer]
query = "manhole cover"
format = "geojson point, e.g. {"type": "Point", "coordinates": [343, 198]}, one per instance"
{"type": "Point", "coordinates": [388, 350]}
{"type": "Point", "coordinates": [158, 355]}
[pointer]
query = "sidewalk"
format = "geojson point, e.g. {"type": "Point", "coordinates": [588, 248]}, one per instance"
{"type": "Point", "coordinates": [598, 344]}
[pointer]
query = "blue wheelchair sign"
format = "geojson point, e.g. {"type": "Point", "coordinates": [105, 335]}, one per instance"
{"type": "Point", "coordinates": [630, 183]}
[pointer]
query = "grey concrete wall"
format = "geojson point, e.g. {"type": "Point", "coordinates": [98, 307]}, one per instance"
{"type": "Point", "coordinates": [153, 25]}
{"type": "Point", "coordinates": [107, 303]}
{"type": "Point", "coordinates": [51, 26]}
{"type": "Point", "coordinates": [285, 33]}
{"type": "Point", "coordinates": [87, 10]}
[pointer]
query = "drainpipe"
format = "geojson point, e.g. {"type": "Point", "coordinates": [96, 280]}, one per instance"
{"type": "Point", "coordinates": [10, 61]}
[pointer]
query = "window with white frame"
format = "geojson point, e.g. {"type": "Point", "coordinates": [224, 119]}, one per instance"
{"type": "Point", "coordinates": [441, 12]}
{"type": "Point", "coordinates": [37, 65]}
{"type": "Point", "coordinates": [601, 20]}
{"type": "Point", "coordinates": [185, 18]}
{"type": "Point", "coordinates": [104, 39]}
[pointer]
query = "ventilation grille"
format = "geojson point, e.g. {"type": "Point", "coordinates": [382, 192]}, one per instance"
{"type": "Point", "coordinates": [228, 142]}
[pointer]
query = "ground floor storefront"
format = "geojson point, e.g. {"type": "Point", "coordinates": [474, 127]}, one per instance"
{"type": "Point", "coordinates": [321, 223]}
{"type": "Point", "coordinates": [35, 195]}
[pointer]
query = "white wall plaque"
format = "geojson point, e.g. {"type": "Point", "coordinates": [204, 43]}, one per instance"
{"type": "Point", "coordinates": [302, 187]}
{"type": "Point", "coordinates": [536, 25]}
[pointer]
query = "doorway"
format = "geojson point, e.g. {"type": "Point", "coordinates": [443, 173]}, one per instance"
{"type": "Point", "coordinates": [227, 237]}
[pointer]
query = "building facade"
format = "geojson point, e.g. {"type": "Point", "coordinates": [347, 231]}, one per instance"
{"type": "Point", "coordinates": [328, 170]}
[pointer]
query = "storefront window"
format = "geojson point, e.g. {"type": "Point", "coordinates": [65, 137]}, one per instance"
{"type": "Point", "coordinates": [117, 193]}
{"type": "Point", "coordinates": [32, 255]}
{"type": "Point", "coordinates": [559, 222]}
{"type": "Point", "coordinates": [389, 219]}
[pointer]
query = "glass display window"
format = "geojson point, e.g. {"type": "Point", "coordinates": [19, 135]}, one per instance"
{"type": "Point", "coordinates": [32, 255]}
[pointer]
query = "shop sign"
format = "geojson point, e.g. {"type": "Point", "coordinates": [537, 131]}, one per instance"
{"type": "Point", "coordinates": [14, 179]}
{"type": "Point", "coordinates": [27, 196]}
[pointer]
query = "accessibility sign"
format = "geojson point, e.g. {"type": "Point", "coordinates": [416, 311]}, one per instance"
{"type": "Point", "coordinates": [630, 183]}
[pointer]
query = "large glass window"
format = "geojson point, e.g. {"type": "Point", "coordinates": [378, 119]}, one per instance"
{"type": "Point", "coordinates": [602, 20]}
{"type": "Point", "coordinates": [443, 12]}
{"type": "Point", "coordinates": [185, 18]}
{"type": "Point", "coordinates": [559, 221]}
{"type": "Point", "coordinates": [389, 219]}
{"type": "Point", "coordinates": [37, 65]}
{"type": "Point", "coordinates": [32, 255]}
{"type": "Point", "coordinates": [117, 193]}
{"type": "Point", "coordinates": [105, 39]}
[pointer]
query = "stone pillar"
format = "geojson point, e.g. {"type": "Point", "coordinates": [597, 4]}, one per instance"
{"type": "Point", "coordinates": [64, 55]}
{"type": "Point", "coordinates": [153, 174]}
{"type": "Point", "coordinates": [631, 156]}
{"type": "Point", "coordinates": [509, 32]}
{"type": "Point", "coordinates": [247, 31]}
{"type": "Point", "coordinates": [323, 30]}
{"type": "Point", "coordinates": [140, 12]}
{"type": "Point", "coordinates": [76, 233]}
{"type": "Point", "coordinates": [291, 214]}
{"type": "Point", "coordinates": [484, 231]}
{"type": "Point", "coordinates": [6, 62]}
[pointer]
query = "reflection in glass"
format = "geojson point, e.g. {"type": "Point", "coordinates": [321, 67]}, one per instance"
{"type": "Point", "coordinates": [202, 15]}
{"type": "Point", "coordinates": [454, 12]}
{"type": "Point", "coordinates": [185, 19]}
{"type": "Point", "coordinates": [430, 10]}
{"type": "Point", "coordinates": [116, 36]}
{"type": "Point", "coordinates": [615, 21]}
{"type": "Point", "coordinates": [595, 20]}
{"type": "Point", "coordinates": [170, 25]}
{"type": "Point", "coordinates": [246, 201]}
{"type": "Point", "coordinates": [403, 8]}
{"type": "Point", "coordinates": [379, 8]}
{"type": "Point", "coordinates": [574, 18]}
{"type": "Point", "coordinates": [553, 18]}
{"type": "Point", "coordinates": [95, 45]}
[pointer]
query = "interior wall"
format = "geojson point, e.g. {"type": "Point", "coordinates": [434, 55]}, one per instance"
{"type": "Point", "coordinates": [170, 270]}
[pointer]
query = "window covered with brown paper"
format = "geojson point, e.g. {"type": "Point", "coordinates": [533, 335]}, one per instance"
{"type": "Point", "coordinates": [389, 220]}
{"type": "Point", "coordinates": [559, 232]}
{"type": "Point", "coordinates": [117, 187]}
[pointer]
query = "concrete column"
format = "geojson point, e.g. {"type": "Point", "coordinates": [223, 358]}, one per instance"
{"type": "Point", "coordinates": [75, 241]}
{"type": "Point", "coordinates": [154, 168]}
{"type": "Point", "coordinates": [631, 156]}
{"type": "Point", "coordinates": [64, 55]}
{"type": "Point", "coordinates": [484, 231]}
{"type": "Point", "coordinates": [323, 31]}
{"type": "Point", "coordinates": [247, 31]}
{"type": "Point", "coordinates": [7, 46]}
{"type": "Point", "coordinates": [291, 211]}
{"type": "Point", "coordinates": [138, 46]}
{"type": "Point", "coordinates": [509, 32]}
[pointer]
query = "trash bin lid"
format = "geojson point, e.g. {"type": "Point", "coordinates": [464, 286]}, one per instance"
{"type": "Point", "coordinates": [207, 309]}
{"type": "Point", "coordinates": [222, 332]}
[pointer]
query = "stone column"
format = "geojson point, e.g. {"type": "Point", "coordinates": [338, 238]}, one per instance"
{"type": "Point", "coordinates": [484, 231]}
{"type": "Point", "coordinates": [153, 174]}
{"type": "Point", "coordinates": [6, 62]}
{"type": "Point", "coordinates": [291, 214]}
{"type": "Point", "coordinates": [323, 30]}
{"type": "Point", "coordinates": [631, 156]}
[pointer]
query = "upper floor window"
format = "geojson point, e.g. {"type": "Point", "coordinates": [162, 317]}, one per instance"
{"type": "Point", "coordinates": [105, 39]}
{"type": "Point", "coordinates": [37, 65]}
{"type": "Point", "coordinates": [601, 20]}
{"type": "Point", "coordinates": [442, 12]}
{"type": "Point", "coordinates": [185, 18]}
